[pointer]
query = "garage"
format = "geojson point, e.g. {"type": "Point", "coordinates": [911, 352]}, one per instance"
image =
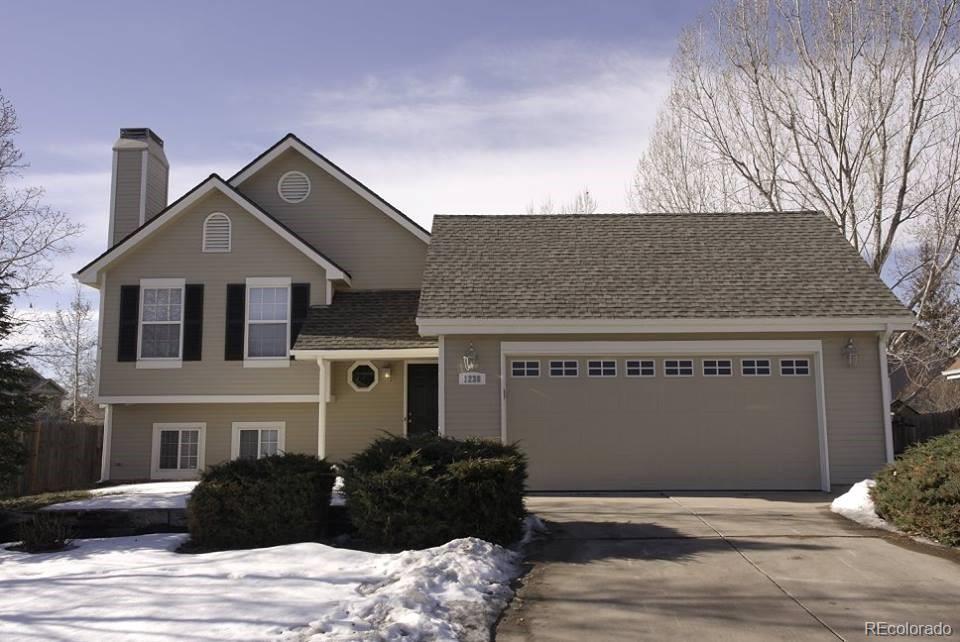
{"type": "Point", "coordinates": [648, 421]}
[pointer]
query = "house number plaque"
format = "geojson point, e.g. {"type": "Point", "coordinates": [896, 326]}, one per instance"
{"type": "Point", "coordinates": [473, 378]}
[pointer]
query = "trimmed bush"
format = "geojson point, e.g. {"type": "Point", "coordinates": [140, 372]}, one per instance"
{"type": "Point", "coordinates": [920, 492]}
{"type": "Point", "coordinates": [44, 533]}
{"type": "Point", "coordinates": [416, 492]}
{"type": "Point", "coordinates": [248, 503]}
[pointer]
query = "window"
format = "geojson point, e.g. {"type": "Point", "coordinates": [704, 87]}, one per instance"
{"type": "Point", "coordinates": [717, 368]}
{"type": "Point", "coordinates": [678, 367]}
{"type": "Point", "coordinates": [363, 376]}
{"type": "Point", "coordinates": [177, 450]}
{"type": "Point", "coordinates": [268, 318]}
{"type": "Point", "coordinates": [216, 233]}
{"type": "Point", "coordinates": [525, 368]}
{"type": "Point", "coordinates": [294, 187]}
{"type": "Point", "coordinates": [794, 367]}
{"type": "Point", "coordinates": [602, 368]}
{"type": "Point", "coordinates": [564, 368]}
{"type": "Point", "coordinates": [641, 368]}
{"type": "Point", "coordinates": [253, 440]}
{"type": "Point", "coordinates": [161, 319]}
{"type": "Point", "coordinates": [755, 367]}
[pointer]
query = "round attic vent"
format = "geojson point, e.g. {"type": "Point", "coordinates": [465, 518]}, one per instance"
{"type": "Point", "coordinates": [294, 187]}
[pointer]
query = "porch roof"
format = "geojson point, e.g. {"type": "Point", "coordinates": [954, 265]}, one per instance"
{"type": "Point", "coordinates": [364, 320]}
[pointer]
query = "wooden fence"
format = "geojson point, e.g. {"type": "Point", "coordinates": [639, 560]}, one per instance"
{"type": "Point", "coordinates": [61, 455]}
{"type": "Point", "coordinates": [912, 428]}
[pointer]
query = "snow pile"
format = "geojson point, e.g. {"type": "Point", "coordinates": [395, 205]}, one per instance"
{"type": "Point", "coordinates": [155, 495]}
{"type": "Point", "coordinates": [856, 504]}
{"type": "Point", "coordinates": [337, 497]}
{"type": "Point", "coordinates": [451, 592]}
{"type": "Point", "coordinates": [136, 588]}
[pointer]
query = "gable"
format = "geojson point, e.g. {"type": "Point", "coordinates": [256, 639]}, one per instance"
{"type": "Point", "coordinates": [381, 248]}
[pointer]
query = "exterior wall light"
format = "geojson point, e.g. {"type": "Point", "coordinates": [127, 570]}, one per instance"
{"type": "Point", "coordinates": [850, 352]}
{"type": "Point", "coordinates": [387, 373]}
{"type": "Point", "coordinates": [470, 361]}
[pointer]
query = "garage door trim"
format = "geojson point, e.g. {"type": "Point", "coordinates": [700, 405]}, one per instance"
{"type": "Point", "coordinates": [811, 348]}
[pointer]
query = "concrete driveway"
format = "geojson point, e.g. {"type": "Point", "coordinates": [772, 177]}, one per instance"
{"type": "Point", "coordinates": [755, 566]}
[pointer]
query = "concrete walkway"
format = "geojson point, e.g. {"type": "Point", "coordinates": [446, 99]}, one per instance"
{"type": "Point", "coordinates": [770, 566]}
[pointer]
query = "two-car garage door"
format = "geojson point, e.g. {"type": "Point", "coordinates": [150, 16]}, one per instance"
{"type": "Point", "coordinates": [661, 422]}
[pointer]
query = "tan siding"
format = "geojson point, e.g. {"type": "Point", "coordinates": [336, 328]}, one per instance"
{"type": "Point", "coordinates": [174, 252]}
{"type": "Point", "coordinates": [156, 185]}
{"type": "Point", "coordinates": [376, 251]}
{"type": "Point", "coordinates": [132, 442]}
{"type": "Point", "coordinates": [127, 199]}
{"type": "Point", "coordinates": [354, 419]}
{"type": "Point", "coordinates": [853, 396]}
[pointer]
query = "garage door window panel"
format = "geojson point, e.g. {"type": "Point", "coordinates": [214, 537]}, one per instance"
{"type": "Point", "coordinates": [678, 367]}
{"type": "Point", "coordinates": [717, 368]}
{"type": "Point", "coordinates": [755, 367]}
{"type": "Point", "coordinates": [602, 368]}
{"type": "Point", "coordinates": [641, 368]}
{"type": "Point", "coordinates": [794, 367]}
{"type": "Point", "coordinates": [564, 368]}
{"type": "Point", "coordinates": [525, 368]}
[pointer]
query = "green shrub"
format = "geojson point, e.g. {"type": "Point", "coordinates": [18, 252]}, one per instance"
{"type": "Point", "coordinates": [426, 490]}
{"type": "Point", "coordinates": [920, 492]}
{"type": "Point", "coordinates": [248, 503]}
{"type": "Point", "coordinates": [43, 533]}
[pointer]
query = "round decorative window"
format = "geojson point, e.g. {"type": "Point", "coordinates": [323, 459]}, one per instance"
{"type": "Point", "coordinates": [294, 187]}
{"type": "Point", "coordinates": [363, 376]}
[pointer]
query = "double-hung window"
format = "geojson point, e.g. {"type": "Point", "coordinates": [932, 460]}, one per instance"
{"type": "Point", "coordinates": [268, 318]}
{"type": "Point", "coordinates": [161, 320]}
{"type": "Point", "coordinates": [252, 440]}
{"type": "Point", "coordinates": [177, 450]}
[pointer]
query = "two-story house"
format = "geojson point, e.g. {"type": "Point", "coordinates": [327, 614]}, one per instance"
{"type": "Point", "coordinates": [291, 308]}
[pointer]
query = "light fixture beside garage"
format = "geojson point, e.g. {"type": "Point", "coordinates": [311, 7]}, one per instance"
{"type": "Point", "coordinates": [387, 373]}
{"type": "Point", "coordinates": [470, 360]}
{"type": "Point", "coordinates": [850, 352]}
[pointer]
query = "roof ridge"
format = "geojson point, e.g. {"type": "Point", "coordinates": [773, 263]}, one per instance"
{"type": "Point", "coordinates": [755, 213]}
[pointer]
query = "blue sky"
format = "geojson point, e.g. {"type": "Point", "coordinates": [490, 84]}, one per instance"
{"type": "Point", "coordinates": [441, 107]}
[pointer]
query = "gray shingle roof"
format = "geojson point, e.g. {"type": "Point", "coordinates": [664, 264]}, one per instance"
{"type": "Point", "coordinates": [648, 266]}
{"type": "Point", "coordinates": [364, 320]}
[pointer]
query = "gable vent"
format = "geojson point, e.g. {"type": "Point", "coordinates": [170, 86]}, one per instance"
{"type": "Point", "coordinates": [216, 233]}
{"type": "Point", "coordinates": [294, 187]}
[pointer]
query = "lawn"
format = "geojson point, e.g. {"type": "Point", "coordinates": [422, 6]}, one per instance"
{"type": "Point", "coordinates": [138, 588]}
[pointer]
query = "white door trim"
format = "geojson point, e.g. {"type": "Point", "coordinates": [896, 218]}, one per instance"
{"type": "Point", "coordinates": [813, 348]}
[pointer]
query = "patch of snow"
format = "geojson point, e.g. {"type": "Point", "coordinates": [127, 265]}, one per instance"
{"type": "Point", "coordinates": [135, 588]}
{"type": "Point", "coordinates": [533, 528]}
{"type": "Point", "coordinates": [337, 498]}
{"type": "Point", "coordinates": [157, 495]}
{"type": "Point", "coordinates": [857, 505]}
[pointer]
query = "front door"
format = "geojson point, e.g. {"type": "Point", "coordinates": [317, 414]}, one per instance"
{"type": "Point", "coordinates": [422, 398]}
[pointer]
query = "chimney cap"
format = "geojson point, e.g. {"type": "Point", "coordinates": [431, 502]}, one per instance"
{"type": "Point", "coordinates": [140, 133]}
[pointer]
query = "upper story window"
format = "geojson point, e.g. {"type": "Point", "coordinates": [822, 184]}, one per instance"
{"type": "Point", "coordinates": [794, 367]}
{"type": "Point", "coordinates": [268, 318]}
{"type": "Point", "coordinates": [216, 233]}
{"type": "Point", "coordinates": [161, 319]}
{"type": "Point", "coordinates": [294, 187]}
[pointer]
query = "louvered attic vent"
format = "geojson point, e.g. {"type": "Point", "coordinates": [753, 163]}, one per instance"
{"type": "Point", "coordinates": [294, 187]}
{"type": "Point", "coordinates": [216, 233]}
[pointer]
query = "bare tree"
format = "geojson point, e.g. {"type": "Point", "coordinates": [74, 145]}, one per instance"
{"type": "Point", "coordinates": [32, 234]}
{"type": "Point", "coordinates": [69, 347]}
{"type": "Point", "coordinates": [582, 203]}
{"type": "Point", "coordinates": [848, 107]}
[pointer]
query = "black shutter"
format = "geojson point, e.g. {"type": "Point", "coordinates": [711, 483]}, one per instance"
{"type": "Point", "coordinates": [236, 297]}
{"type": "Point", "coordinates": [129, 321]}
{"type": "Point", "coordinates": [299, 306]}
{"type": "Point", "coordinates": [193, 322]}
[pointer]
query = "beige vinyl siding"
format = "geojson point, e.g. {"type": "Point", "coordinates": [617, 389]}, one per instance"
{"type": "Point", "coordinates": [376, 251]}
{"type": "Point", "coordinates": [132, 428]}
{"type": "Point", "coordinates": [354, 419]}
{"type": "Point", "coordinates": [175, 251]}
{"type": "Point", "coordinates": [156, 185]}
{"type": "Point", "coordinates": [127, 198]}
{"type": "Point", "coordinates": [853, 395]}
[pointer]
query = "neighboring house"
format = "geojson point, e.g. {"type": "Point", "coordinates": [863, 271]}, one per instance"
{"type": "Point", "coordinates": [50, 392]}
{"type": "Point", "coordinates": [290, 308]}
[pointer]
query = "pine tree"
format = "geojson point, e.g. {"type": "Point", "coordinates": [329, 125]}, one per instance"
{"type": "Point", "coordinates": [18, 406]}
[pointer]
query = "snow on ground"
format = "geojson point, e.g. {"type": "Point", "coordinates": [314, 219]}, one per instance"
{"type": "Point", "coordinates": [154, 495]}
{"type": "Point", "coordinates": [137, 588]}
{"type": "Point", "coordinates": [856, 504]}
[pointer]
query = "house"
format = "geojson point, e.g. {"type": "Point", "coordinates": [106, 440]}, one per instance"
{"type": "Point", "coordinates": [50, 393]}
{"type": "Point", "coordinates": [291, 308]}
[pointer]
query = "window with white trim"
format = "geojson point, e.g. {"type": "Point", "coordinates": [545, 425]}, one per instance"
{"type": "Point", "coordinates": [564, 368]}
{"type": "Point", "coordinates": [216, 233]}
{"type": "Point", "coordinates": [602, 368]}
{"type": "Point", "coordinates": [161, 318]}
{"type": "Point", "coordinates": [363, 376]}
{"type": "Point", "coordinates": [177, 450]}
{"type": "Point", "coordinates": [678, 367]}
{"type": "Point", "coordinates": [294, 187]}
{"type": "Point", "coordinates": [525, 368]}
{"type": "Point", "coordinates": [268, 318]}
{"type": "Point", "coordinates": [252, 440]}
{"type": "Point", "coordinates": [717, 368]}
{"type": "Point", "coordinates": [755, 367]}
{"type": "Point", "coordinates": [641, 368]}
{"type": "Point", "coordinates": [794, 367]}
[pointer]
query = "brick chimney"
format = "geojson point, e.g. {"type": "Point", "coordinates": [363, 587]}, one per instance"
{"type": "Point", "coordinates": [140, 175]}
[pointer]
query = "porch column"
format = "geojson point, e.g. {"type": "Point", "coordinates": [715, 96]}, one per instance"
{"type": "Point", "coordinates": [324, 366]}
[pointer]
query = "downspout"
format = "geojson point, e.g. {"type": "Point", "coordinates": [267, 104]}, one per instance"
{"type": "Point", "coordinates": [107, 439]}
{"type": "Point", "coordinates": [324, 367]}
{"type": "Point", "coordinates": [882, 341]}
